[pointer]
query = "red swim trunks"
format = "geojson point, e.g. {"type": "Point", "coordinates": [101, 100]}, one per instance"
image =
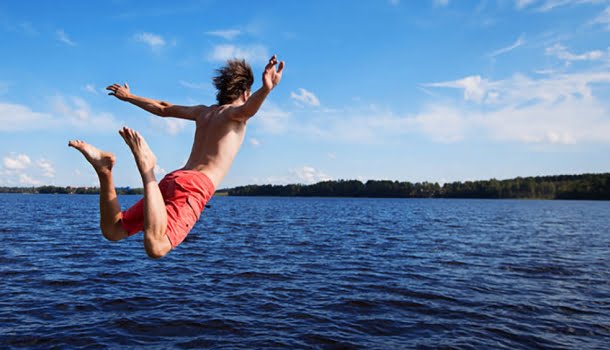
{"type": "Point", "coordinates": [185, 193]}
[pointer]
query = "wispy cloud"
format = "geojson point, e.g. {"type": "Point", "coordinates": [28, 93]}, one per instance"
{"type": "Point", "coordinates": [252, 53]}
{"type": "Point", "coordinates": [556, 109]}
{"type": "Point", "coordinates": [19, 169]}
{"type": "Point", "coordinates": [254, 142]}
{"type": "Point", "coordinates": [25, 179]}
{"type": "Point", "coordinates": [603, 19]}
{"type": "Point", "coordinates": [17, 117]}
{"type": "Point", "coordinates": [548, 5]}
{"type": "Point", "coordinates": [305, 97]}
{"type": "Point", "coordinates": [523, 3]}
{"type": "Point", "coordinates": [154, 41]}
{"type": "Point", "coordinates": [303, 175]}
{"type": "Point", "coordinates": [16, 162]}
{"type": "Point", "coordinates": [170, 126]}
{"type": "Point", "coordinates": [63, 111]}
{"type": "Point", "coordinates": [196, 86]}
{"type": "Point", "coordinates": [549, 109]}
{"type": "Point", "coordinates": [47, 167]}
{"type": "Point", "coordinates": [76, 112]}
{"type": "Point", "coordinates": [474, 87]}
{"type": "Point", "coordinates": [27, 28]}
{"type": "Point", "coordinates": [3, 87]}
{"type": "Point", "coordinates": [562, 53]}
{"type": "Point", "coordinates": [520, 41]}
{"type": "Point", "coordinates": [90, 88]}
{"type": "Point", "coordinates": [64, 38]}
{"type": "Point", "coordinates": [271, 118]}
{"type": "Point", "coordinates": [159, 171]}
{"type": "Point", "coordinates": [441, 3]}
{"type": "Point", "coordinates": [228, 34]}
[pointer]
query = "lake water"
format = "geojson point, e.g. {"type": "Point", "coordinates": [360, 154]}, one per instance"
{"type": "Point", "coordinates": [333, 273]}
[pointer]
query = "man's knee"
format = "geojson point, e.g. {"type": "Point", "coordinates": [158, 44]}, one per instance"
{"type": "Point", "coordinates": [157, 249]}
{"type": "Point", "coordinates": [114, 233]}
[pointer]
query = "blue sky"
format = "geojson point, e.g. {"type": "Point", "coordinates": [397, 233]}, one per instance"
{"type": "Point", "coordinates": [373, 89]}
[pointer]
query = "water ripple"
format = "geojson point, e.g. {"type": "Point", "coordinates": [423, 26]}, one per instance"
{"type": "Point", "coordinates": [311, 273]}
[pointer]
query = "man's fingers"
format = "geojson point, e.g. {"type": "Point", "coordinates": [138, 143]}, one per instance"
{"type": "Point", "coordinates": [126, 86]}
{"type": "Point", "coordinates": [272, 62]}
{"type": "Point", "coordinates": [280, 68]}
{"type": "Point", "coordinates": [111, 94]}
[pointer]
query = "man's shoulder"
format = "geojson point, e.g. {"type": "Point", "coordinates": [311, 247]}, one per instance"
{"type": "Point", "coordinates": [227, 112]}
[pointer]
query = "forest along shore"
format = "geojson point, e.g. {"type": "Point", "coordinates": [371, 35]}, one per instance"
{"type": "Point", "coordinates": [585, 186]}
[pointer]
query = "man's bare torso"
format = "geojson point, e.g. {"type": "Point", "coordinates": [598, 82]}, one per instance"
{"type": "Point", "coordinates": [218, 138]}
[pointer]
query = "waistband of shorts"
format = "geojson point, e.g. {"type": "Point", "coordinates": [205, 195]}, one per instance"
{"type": "Point", "coordinates": [208, 184]}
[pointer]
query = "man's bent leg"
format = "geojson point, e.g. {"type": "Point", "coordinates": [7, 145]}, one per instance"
{"type": "Point", "coordinates": [156, 242]}
{"type": "Point", "coordinates": [110, 211]}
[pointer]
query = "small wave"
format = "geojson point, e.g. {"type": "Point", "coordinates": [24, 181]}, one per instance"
{"type": "Point", "coordinates": [262, 275]}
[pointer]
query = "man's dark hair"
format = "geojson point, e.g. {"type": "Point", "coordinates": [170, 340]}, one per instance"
{"type": "Point", "coordinates": [233, 79]}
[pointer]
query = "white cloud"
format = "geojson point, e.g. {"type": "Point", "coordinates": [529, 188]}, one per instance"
{"type": "Point", "coordinates": [548, 5]}
{"type": "Point", "coordinates": [64, 111]}
{"type": "Point", "coordinates": [63, 37]}
{"type": "Point", "coordinates": [228, 34]}
{"type": "Point", "coordinates": [551, 109]}
{"type": "Point", "coordinates": [309, 175]}
{"type": "Point", "coordinates": [303, 175]}
{"type": "Point", "coordinates": [441, 3]}
{"type": "Point", "coordinates": [155, 41]}
{"type": "Point", "coordinates": [475, 87]}
{"type": "Point", "coordinates": [27, 28]}
{"type": "Point", "coordinates": [252, 53]}
{"type": "Point", "coordinates": [25, 179]}
{"type": "Point", "coordinates": [254, 142]}
{"type": "Point", "coordinates": [196, 86]}
{"type": "Point", "coordinates": [15, 117]}
{"type": "Point", "coordinates": [551, 4]}
{"type": "Point", "coordinates": [604, 18]}
{"type": "Point", "coordinates": [90, 88]}
{"type": "Point", "coordinates": [47, 167]}
{"type": "Point", "coordinates": [394, 2]}
{"type": "Point", "coordinates": [523, 3]}
{"type": "Point", "coordinates": [18, 169]}
{"type": "Point", "coordinates": [441, 124]}
{"type": "Point", "coordinates": [17, 162]}
{"type": "Point", "coordinates": [171, 126]}
{"type": "Point", "coordinates": [159, 172]}
{"type": "Point", "coordinates": [3, 87]}
{"type": "Point", "coordinates": [331, 155]}
{"type": "Point", "coordinates": [562, 53]}
{"type": "Point", "coordinates": [271, 118]}
{"type": "Point", "coordinates": [520, 41]}
{"type": "Point", "coordinates": [76, 112]}
{"type": "Point", "coordinates": [305, 97]}
{"type": "Point", "coordinates": [557, 109]}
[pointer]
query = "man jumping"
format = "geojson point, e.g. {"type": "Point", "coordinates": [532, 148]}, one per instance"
{"type": "Point", "coordinates": [170, 208]}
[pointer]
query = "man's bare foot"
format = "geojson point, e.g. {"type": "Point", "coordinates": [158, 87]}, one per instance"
{"type": "Point", "coordinates": [145, 158]}
{"type": "Point", "coordinates": [102, 161]}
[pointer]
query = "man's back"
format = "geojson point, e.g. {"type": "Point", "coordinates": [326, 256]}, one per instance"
{"type": "Point", "coordinates": [218, 138]}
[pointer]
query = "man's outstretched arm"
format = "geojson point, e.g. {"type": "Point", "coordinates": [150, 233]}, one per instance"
{"type": "Point", "coordinates": [160, 108]}
{"type": "Point", "coordinates": [271, 77]}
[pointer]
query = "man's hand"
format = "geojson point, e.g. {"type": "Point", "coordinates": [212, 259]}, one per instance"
{"type": "Point", "coordinates": [120, 92]}
{"type": "Point", "coordinates": [271, 77]}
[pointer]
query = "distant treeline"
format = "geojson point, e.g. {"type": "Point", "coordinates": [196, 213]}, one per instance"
{"type": "Point", "coordinates": [586, 186]}
{"type": "Point", "coordinates": [67, 190]}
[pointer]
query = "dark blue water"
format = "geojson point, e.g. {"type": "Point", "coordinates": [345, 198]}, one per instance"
{"type": "Point", "coordinates": [311, 273]}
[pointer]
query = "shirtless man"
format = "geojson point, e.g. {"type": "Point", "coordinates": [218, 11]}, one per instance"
{"type": "Point", "coordinates": [169, 208]}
